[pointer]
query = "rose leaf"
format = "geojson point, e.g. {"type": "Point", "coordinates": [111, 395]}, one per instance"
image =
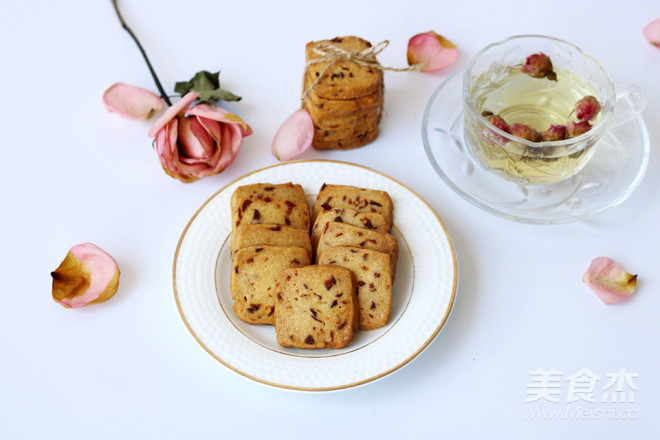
{"type": "Point", "coordinates": [207, 84]}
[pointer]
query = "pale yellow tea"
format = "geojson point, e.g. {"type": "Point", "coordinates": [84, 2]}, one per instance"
{"type": "Point", "coordinates": [536, 102]}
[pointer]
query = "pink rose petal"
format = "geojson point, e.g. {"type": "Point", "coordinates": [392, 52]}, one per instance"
{"type": "Point", "coordinates": [211, 126]}
{"type": "Point", "coordinates": [131, 102]}
{"type": "Point", "coordinates": [294, 136]}
{"type": "Point", "coordinates": [652, 32]}
{"type": "Point", "coordinates": [231, 141]}
{"type": "Point", "coordinates": [195, 144]}
{"type": "Point", "coordinates": [221, 115]}
{"type": "Point", "coordinates": [609, 280]}
{"type": "Point", "coordinates": [171, 112]}
{"type": "Point", "coordinates": [432, 51]}
{"type": "Point", "coordinates": [88, 275]}
{"type": "Point", "coordinates": [167, 149]}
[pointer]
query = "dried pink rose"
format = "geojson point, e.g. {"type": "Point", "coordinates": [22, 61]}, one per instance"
{"type": "Point", "coordinates": [131, 102]}
{"type": "Point", "coordinates": [555, 133]}
{"type": "Point", "coordinates": [432, 51]}
{"type": "Point", "coordinates": [577, 128]}
{"type": "Point", "coordinates": [197, 141]}
{"type": "Point", "coordinates": [499, 122]}
{"type": "Point", "coordinates": [539, 65]}
{"type": "Point", "coordinates": [652, 32]}
{"type": "Point", "coordinates": [587, 108]}
{"type": "Point", "coordinates": [88, 275]}
{"type": "Point", "coordinates": [524, 131]}
{"type": "Point", "coordinates": [609, 280]}
{"type": "Point", "coordinates": [294, 136]}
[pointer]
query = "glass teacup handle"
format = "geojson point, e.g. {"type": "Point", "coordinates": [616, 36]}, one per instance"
{"type": "Point", "coordinates": [630, 101]}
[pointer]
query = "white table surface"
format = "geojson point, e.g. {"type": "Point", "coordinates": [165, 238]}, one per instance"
{"type": "Point", "coordinates": [129, 368]}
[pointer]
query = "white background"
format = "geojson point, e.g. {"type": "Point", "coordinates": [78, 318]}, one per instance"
{"type": "Point", "coordinates": [71, 173]}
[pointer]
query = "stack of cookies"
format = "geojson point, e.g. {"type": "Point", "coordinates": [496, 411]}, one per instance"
{"type": "Point", "coordinates": [346, 104]}
{"type": "Point", "coordinates": [270, 232]}
{"type": "Point", "coordinates": [351, 229]}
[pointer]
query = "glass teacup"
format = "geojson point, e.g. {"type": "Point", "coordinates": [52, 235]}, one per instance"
{"type": "Point", "coordinates": [539, 138]}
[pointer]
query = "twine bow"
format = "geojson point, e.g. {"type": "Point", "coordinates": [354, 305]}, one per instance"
{"type": "Point", "coordinates": [333, 54]}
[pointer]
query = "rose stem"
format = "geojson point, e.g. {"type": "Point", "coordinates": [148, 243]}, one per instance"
{"type": "Point", "coordinates": [144, 55]}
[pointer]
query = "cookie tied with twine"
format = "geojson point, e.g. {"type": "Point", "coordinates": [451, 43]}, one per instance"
{"type": "Point", "coordinates": [343, 91]}
{"type": "Point", "coordinates": [344, 68]}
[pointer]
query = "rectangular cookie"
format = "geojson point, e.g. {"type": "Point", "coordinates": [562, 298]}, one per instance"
{"type": "Point", "coordinates": [356, 121]}
{"type": "Point", "coordinates": [371, 270]}
{"type": "Point", "coordinates": [367, 220]}
{"type": "Point", "coordinates": [253, 276]}
{"type": "Point", "coordinates": [288, 191]}
{"type": "Point", "coordinates": [360, 199]}
{"type": "Point", "coordinates": [316, 307]}
{"type": "Point", "coordinates": [341, 131]}
{"type": "Point", "coordinates": [321, 108]}
{"type": "Point", "coordinates": [272, 211]}
{"type": "Point", "coordinates": [342, 234]}
{"type": "Point", "coordinates": [344, 79]}
{"type": "Point", "coordinates": [270, 234]}
{"type": "Point", "coordinates": [359, 140]}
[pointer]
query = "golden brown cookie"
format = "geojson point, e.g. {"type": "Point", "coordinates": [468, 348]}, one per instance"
{"type": "Point", "coordinates": [344, 79]}
{"type": "Point", "coordinates": [253, 276]}
{"type": "Point", "coordinates": [316, 307]}
{"type": "Point", "coordinates": [360, 140]}
{"type": "Point", "coordinates": [371, 270]}
{"type": "Point", "coordinates": [349, 130]}
{"type": "Point", "coordinates": [372, 115]}
{"type": "Point", "coordinates": [368, 220]}
{"type": "Point", "coordinates": [289, 191]}
{"type": "Point", "coordinates": [271, 235]}
{"type": "Point", "coordinates": [342, 234]}
{"type": "Point", "coordinates": [360, 199]}
{"type": "Point", "coordinates": [272, 211]}
{"type": "Point", "coordinates": [321, 108]}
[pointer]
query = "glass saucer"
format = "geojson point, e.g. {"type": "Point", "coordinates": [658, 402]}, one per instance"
{"type": "Point", "coordinates": [608, 179]}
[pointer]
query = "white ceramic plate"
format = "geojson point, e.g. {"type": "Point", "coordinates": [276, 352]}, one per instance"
{"type": "Point", "coordinates": [423, 292]}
